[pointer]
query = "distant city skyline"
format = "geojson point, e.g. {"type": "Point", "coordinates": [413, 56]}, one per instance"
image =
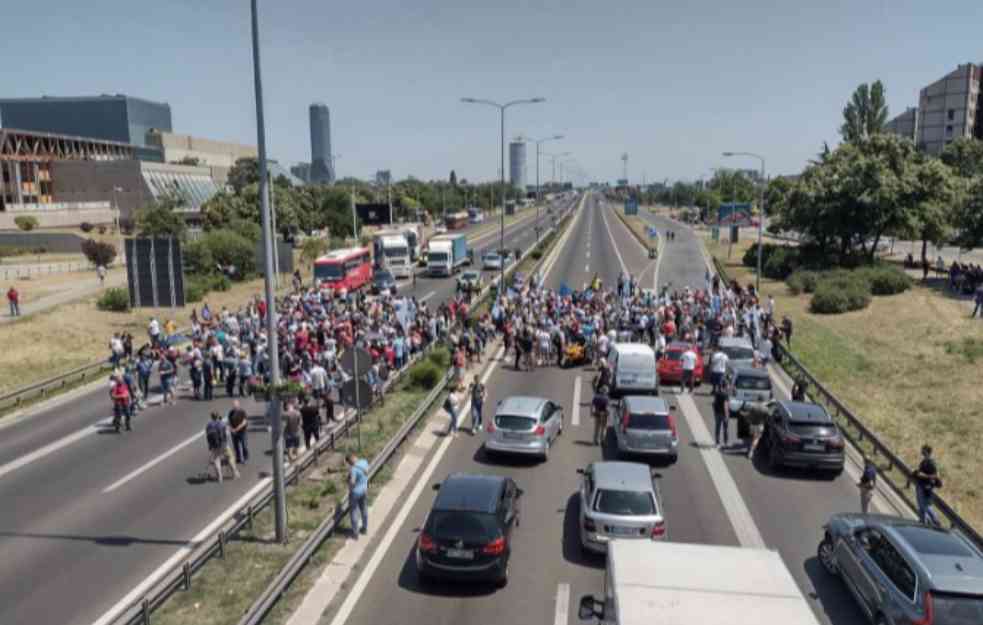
{"type": "Point", "coordinates": [697, 80]}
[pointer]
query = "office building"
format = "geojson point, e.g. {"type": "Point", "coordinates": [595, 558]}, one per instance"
{"type": "Point", "coordinates": [905, 125]}
{"type": "Point", "coordinates": [322, 165]}
{"type": "Point", "coordinates": [118, 118]}
{"type": "Point", "coordinates": [517, 164]}
{"type": "Point", "coordinates": [950, 108]}
{"type": "Point", "coordinates": [186, 149]}
{"type": "Point", "coordinates": [302, 171]}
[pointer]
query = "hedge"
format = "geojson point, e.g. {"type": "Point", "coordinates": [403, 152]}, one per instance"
{"type": "Point", "coordinates": [802, 281]}
{"type": "Point", "coordinates": [885, 280]}
{"type": "Point", "coordinates": [840, 291]}
{"type": "Point", "coordinates": [114, 300]}
{"type": "Point", "coordinates": [425, 375]}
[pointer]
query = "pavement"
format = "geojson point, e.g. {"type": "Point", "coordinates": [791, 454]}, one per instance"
{"type": "Point", "coordinates": [709, 496]}
{"type": "Point", "coordinates": [90, 514]}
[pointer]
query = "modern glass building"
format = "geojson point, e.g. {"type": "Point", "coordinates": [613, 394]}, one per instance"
{"type": "Point", "coordinates": [322, 166]}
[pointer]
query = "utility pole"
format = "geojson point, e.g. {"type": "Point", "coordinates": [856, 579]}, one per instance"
{"type": "Point", "coordinates": [276, 426]}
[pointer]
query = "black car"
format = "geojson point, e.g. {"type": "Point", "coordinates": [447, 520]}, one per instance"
{"type": "Point", "coordinates": [802, 434]}
{"type": "Point", "coordinates": [467, 535]}
{"type": "Point", "coordinates": [382, 282]}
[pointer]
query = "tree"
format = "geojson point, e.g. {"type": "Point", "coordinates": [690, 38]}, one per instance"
{"type": "Point", "coordinates": [99, 252]}
{"type": "Point", "coordinates": [968, 216]}
{"type": "Point", "coordinates": [776, 195]}
{"type": "Point", "coordinates": [159, 219]}
{"type": "Point", "coordinates": [935, 193]}
{"type": "Point", "coordinates": [26, 222]}
{"type": "Point", "coordinates": [964, 156]}
{"type": "Point", "coordinates": [244, 172]}
{"type": "Point", "coordinates": [312, 248]}
{"type": "Point", "coordinates": [453, 178]}
{"type": "Point", "coordinates": [865, 114]}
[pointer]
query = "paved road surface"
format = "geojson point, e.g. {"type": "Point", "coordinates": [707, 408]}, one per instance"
{"type": "Point", "coordinates": [709, 497]}
{"type": "Point", "coordinates": [74, 539]}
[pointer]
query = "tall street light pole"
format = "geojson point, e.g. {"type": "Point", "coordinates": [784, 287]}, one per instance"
{"type": "Point", "coordinates": [501, 108]}
{"type": "Point", "coordinates": [761, 217]}
{"type": "Point", "coordinates": [276, 426]}
{"type": "Point", "coordinates": [539, 192]}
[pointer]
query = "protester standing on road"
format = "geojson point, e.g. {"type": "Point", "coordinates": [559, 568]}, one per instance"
{"type": "Point", "coordinates": [358, 488]}
{"type": "Point", "coordinates": [120, 394]}
{"type": "Point", "coordinates": [718, 367]}
{"type": "Point", "coordinates": [926, 481]}
{"type": "Point", "coordinates": [688, 360]}
{"type": "Point", "coordinates": [168, 372]}
{"type": "Point", "coordinates": [311, 420]}
{"type": "Point", "coordinates": [452, 405]}
{"type": "Point", "coordinates": [721, 416]}
{"type": "Point", "coordinates": [755, 416]}
{"type": "Point", "coordinates": [238, 425]}
{"type": "Point", "coordinates": [217, 438]}
{"type": "Point", "coordinates": [13, 298]}
{"type": "Point", "coordinates": [291, 431]}
{"type": "Point", "coordinates": [868, 481]}
{"type": "Point", "coordinates": [477, 402]}
{"type": "Point", "coordinates": [599, 410]}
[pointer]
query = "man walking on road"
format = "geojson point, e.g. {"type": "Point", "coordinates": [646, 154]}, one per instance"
{"type": "Point", "coordinates": [13, 298]}
{"type": "Point", "coordinates": [358, 488]}
{"type": "Point", "coordinates": [238, 424]}
{"type": "Point", "coordinates": [926, 481]}
{"type": "Point", "coordinates": [868, 481]}
{"type": "Point", "coordinates": [477, 402]}
{"type": "Point", "coordinates": [721, 416]}
{"type": "Point", "coordinates": [718, 368]}
{"type": "Point", "coordinates": [217, 437]}
{"type": "Point", "coordinates": [688, 359]}
{"type": "Point", "coordinates": [599, 410]}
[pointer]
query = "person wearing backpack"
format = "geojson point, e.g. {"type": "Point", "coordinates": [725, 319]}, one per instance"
{"type": "Point", "coordinates": [217, 437]}
{"type": "Point", "coordinates": [120, 394]}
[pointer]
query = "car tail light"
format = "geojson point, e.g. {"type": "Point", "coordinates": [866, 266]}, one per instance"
{"type": "Point", "coordinates": [495, 547]}
{"type": "Point", "coordinates": [659, 530]}
{"type": "Point", "coordinates": [624, 421]}
{"type": "Point", "coordinates": [791, 439]}
{"type": "Point", "coordinates": [589, 525]}
{"type": "Point", "coordinates": [835, 443]}
{"type": "Point", "coordinates": [490, 427]}
{"type": "Point", "coordinates": [540, 430]}
{"type": "Point", "coordinates": [426, 543]}
{"type": "Point", "coordinates": [929, 615]}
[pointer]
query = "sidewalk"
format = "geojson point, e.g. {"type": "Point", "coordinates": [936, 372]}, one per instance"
{"type": "Point", "coordinates": [79, 291]}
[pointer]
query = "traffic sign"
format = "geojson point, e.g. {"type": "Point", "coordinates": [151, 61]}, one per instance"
{"type": "Point", "coordinates": [734, 214]}
{"type": "Point", "coordinates": [653, 233]}
{"type": "Point", "coordinates": [348, 362]}
{"type": "Point", "coordinates": [631, 206]}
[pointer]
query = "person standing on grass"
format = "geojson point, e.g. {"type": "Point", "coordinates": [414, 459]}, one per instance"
{"type": "Point", "coordinates": [868, 481]}
{"type": "Point", "coordinates": [787, 330]}
{"type": "Point", "coordinates": [238, 426]}
{"type": "Point", "coordinates": [358, 490]}
{"type": "Point", "coordinates": [978, 299]}
{"type": "Point", "coordinates": [101, 272]}
{"type": "Point", "coordinates": [13, 298]}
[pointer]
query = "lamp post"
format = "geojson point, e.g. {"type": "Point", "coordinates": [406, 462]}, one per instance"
{"type": "Point", "coordinates": [276, 426]}
{"type": "Point", "coordinates": [539, 192]}
{"type": "Point", "coordinates": [761, 217]}
{"type": "Point", "coordinates": [116, 214]}
{"type": "Point", "coordinates": [501, 108]}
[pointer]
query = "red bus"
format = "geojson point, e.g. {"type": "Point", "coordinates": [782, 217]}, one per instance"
{"type": "Point", "coordinates": [346, 269]}
{"type": "Point", "coordinates": [456, 221]}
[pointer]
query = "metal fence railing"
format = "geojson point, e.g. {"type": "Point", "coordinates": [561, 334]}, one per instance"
{"type": "Point", "coordinates": [896, 473]}
{"type": "Point", "coordinates": [179, 577]}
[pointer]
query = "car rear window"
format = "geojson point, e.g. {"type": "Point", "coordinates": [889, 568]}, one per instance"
{"type": "Point", "coordinates": [514, 422]}
{"type": "Point", "coordinates": [624, 503]}
{"type": "Point", "coordinates": [752, 383]}
{"type": "Point", "coordinates": [957, 609]}
{"type": "Point", "coordinates": [674, 355]}
{"type": "Point", "coordinates": [467, 526]}
{"type": "Point", "coordinates": [934, 542]}
{"type": "Point", "coordinates": [648, 421]}
{"type": "Point", "coordinates": [811, 428]}
{"type": "Point", "coordinates": [738, 353]}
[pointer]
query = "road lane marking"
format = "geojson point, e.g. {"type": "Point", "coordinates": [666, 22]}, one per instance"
{"type": "Point", "coordinates": [50, 448]}
{"type": "Point", "coordinates": [575, 415]}
{"type": "Point", "coordinates": [137, 472]}
{"type": "Point", "coordinates": [427, 296]}
{"type": "Point", "coordinates": [614, 243]}
{"type": "Point", "coordinates": [737, 511]}
{"type": "Point", "coordinates": [143, 587]}
{"type": "Point", "coordinates": [562, 605]}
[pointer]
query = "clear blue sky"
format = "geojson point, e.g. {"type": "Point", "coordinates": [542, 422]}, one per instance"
{"type": "Point", "coordinates": [672, 86]}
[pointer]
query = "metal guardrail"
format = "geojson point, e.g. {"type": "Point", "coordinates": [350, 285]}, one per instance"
{"type": "Point", "coordinates": [18, 271]}
{"type": "Point", "coordinates": [861, 437]}
{"type": "Point", "coordinates": [179, 576]}
{"type": "Point", "coordinates": [40, 390]}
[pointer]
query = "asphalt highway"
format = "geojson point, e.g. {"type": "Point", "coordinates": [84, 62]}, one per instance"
{"type": "Point", "coordinates": [708, 496]}
{"type": "Point", "coordinates": [88, 514]}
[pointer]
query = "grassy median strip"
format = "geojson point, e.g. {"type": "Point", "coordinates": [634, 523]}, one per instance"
{"type": "Point", "coordinates": [908, 365]}
{"type": "Point", "coordinates": [226, 587]}
{"type": "Point", "coordinates": [638, 227]}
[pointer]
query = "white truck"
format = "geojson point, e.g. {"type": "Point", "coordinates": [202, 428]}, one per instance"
{"type": "Point", "coordinates": [446, 254]}
{"type": "Point", "coordinates": [392, 251]}
{"type": "Point", "coordinates": [666, 583]}
{"type": "Point", "coordinates": [414, 237]}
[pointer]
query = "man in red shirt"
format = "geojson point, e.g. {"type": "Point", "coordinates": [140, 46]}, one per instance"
{"type": "Point", "coordinates": [13, 298]}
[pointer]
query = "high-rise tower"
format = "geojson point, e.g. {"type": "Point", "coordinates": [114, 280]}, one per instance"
{"type": "Point", "coordinates": [322, 165]}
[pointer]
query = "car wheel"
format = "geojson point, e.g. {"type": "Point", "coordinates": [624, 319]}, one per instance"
{"type": "Point", "coordinates": [503, 581]}
{"type": "Point", "coordinates": [673, 459]}
{"type": "Point", "coordinates": [825, 554]}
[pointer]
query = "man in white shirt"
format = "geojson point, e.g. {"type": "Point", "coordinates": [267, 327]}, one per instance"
{"type": "Point", "coordinates": [718, 367]}
{"type": "Point", "coordinates": [319, 380]}
{"type": "Point", "coordinates": [688, 360]}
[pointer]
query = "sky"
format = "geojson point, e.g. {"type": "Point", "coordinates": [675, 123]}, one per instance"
{"type": "Point", "coordinates": [672, 84]}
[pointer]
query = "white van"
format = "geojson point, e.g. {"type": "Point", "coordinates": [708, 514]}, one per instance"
{"type": "Point", "coordinates": [633, 370]}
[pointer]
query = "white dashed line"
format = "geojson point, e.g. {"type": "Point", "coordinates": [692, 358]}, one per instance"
{"type": "Point", "coordinates": [562, 604]}
{"type": "Point", "coordinates": [575, 414]}
{"type": "Point", "coordinates": [164, 456]}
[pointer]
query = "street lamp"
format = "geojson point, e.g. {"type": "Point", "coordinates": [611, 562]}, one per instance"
{"type": "Point", "coordinates": [501, 108]}
{"type": "Point", "coordinates": [276, 429]}
{"type": "Point", "coordinates": [539, 194]}
{"type": "Point", "coordinates": [761, 217]}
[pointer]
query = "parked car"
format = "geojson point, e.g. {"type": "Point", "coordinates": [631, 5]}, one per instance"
{"type": "Point", "coordinates": [524, 425]}
{"type": "Point", "coordinates": [739, 350]}
{"type": "Point", "coordinates": [670, 366]}
{"type": "Point", "coordinates": [901, 571]}
{"type": "Point", "coordinates": [644, 426]}
{"type": "Point", "coordinates": [469, 281]}
{"type": "Point", "coordinates": [618, 500]}
{"type": "Point", "coordinates": [383, 282]}
{"type": "Point", "coordinates": [804, 435]}
{"type": "Point", "coordinates": [468, 533]}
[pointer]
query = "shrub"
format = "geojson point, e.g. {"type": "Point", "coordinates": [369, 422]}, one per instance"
{"type": "Point", "coordinates": [750, 258]}
{"type": "Point", "coordinates": [249, 230]}
{"type": "Point", "coordinates": [194, 291]}
{"type": "Point", "coordinates": [114, 300]}
{"type": "Point", "coordinates": [440, 357]}
{"type": "Point", "coordinates": [228, 248]}
{"type": "Point", "coordinates": [26, 222]}
{"type": "Point", "coordinates": [99, 252]}
{"type": "Point", "coordinates": [425, 375]}
{"type": "Point", "coordinates": [802, 281]}
{"type": "Point", "coordinates": [780, 264]}
{"type": "Point", "coordinates": [86, 226]}
{"type": "Point", "coordinates": [536, 254]}
{"type": "Point", "coordinates": [886, 280]}
{"type": "Point", "coordinates": [198, 258]}
{"type": "Point", "coordinates": [839, 292]}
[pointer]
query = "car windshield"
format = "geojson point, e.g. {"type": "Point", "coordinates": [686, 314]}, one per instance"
{"type": "Point", "coordinates": [467, 526]}
{"type": "Point", "coordinates": [752, 383]}
{"type": "Point", "coordinates": [437, 256]}
{"type": "Point", "coordinates": [737, 352]}
{"type": "Point", "coordinates": [470, 275]}
{"type": "Point", "coordinates": [957, 609]}
{"type": "Point", "coordinates": [648, 421]}
{"type": "Point", "coordinates": [383, 276]}
{"type": "Point", "coordinates": [514, 422]}
{"type": "Point", "coordinates": [624, 503]}
{"type": "Point", "coordinates": [674, 355]}
{"type": "Point", "coordinates": [329, 271]}
{"type": "Point", "coordinates": [491, 258]}
{"type": "Point", "coordinates": [392, 252]}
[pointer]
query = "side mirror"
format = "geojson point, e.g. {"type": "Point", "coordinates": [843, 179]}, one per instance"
{"type": "Point", "coordinates": [590, 608]}
{"type": "Point", "coordinates": [436, 486]}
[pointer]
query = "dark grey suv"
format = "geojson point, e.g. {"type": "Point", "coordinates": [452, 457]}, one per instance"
{"type": "Point", "coordinates": [901, 571]}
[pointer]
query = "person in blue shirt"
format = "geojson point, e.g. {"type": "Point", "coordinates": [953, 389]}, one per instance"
{"type": "Point", "coordinates": [358, 488]}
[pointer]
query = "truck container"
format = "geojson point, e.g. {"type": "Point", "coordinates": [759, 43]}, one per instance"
{"type": "Point", "coordinates": [446, 254]}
